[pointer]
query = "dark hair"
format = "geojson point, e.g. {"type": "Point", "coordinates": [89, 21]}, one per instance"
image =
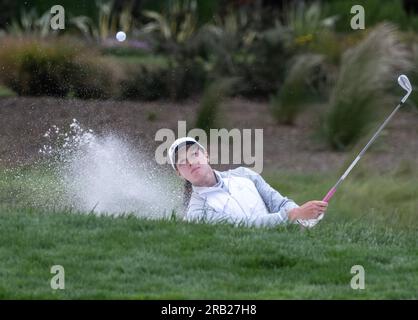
{"type": "Point", "coordinates": [187, 184]}
{"type": "Point", "coordinates": [187, 193]}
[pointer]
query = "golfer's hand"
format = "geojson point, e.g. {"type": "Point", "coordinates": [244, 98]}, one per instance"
{"type": "Point", "coordinates": [309, 210]}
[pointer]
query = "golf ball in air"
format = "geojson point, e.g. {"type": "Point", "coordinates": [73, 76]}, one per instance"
{"type": "Point", "coordinates": [121, 36]}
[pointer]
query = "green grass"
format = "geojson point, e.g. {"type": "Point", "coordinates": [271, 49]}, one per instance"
{"type": "Point", "coordinates": [371, 222]}
{"type": "Point", "coordinates": [147, 60]}
{"type": "Point", "coordinates": [6, 92]}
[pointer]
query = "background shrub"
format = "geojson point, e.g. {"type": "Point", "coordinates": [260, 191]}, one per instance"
{"type": "Point", "coordinates": [36, 68]}
{"type": "Point", "coordinates": [367, 73]}
{"type": "Point", "coordinates": [145, 83]}
{"type": "Point", "coordinates": [214, 94]}
{"type": "Point", "coordinates": [57, 68]}
{"type": "Point", "coordinates": [186, 78]}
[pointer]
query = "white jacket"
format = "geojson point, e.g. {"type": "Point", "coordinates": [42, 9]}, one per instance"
{"type": "Point", "coordinates": [241, 197]}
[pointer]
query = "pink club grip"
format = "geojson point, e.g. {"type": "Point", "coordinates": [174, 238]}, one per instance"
{"type": "Point", "coordinates": [329, 195]}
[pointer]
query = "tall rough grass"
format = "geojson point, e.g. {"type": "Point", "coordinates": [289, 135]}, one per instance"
{"type": "Point", "coordinates": [208, 113]}
{"type": "Point", "coordinates": [297, 88]}
{"type": "Point", "coordinates": [367, 72]}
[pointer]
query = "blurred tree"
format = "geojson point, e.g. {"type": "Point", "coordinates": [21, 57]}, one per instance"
{"type": "Point", "coordinates": [206, 9]}
{"type": "Point", "coordinates": [8, 10]}
{"type": "Point", "coordinates": [12, 8]}
{"type": "Point", "coordinates": [410, 6]}
{"type": "Point", "coordinates": [136, 5]}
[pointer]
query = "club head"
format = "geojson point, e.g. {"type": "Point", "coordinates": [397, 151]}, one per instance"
{"type": "Point", "coordinates": [406, 85]}
{"type": "Point", "coordinates": [311, 222]}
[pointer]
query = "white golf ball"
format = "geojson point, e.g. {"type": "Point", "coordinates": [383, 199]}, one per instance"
{"type": "Point", "coordinates": [121, 36]}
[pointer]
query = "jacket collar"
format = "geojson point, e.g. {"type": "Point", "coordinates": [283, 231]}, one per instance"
{"type": "Point", "coordinates": [219, 186]}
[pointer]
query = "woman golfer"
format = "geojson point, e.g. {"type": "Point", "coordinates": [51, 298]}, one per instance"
{"type": "Point", "coordinates": [239, 196]}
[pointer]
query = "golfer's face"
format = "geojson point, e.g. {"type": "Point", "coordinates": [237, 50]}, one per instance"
{"type": "Point", "coordinates": [192, 163]}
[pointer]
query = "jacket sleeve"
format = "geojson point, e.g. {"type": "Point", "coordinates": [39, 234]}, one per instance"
{"type": "Point", "coordinates": [199, 211]}
{"type": "Point", "coordinates": [206, 214]}
{"type": "Point", "coordinates": [275, 202]}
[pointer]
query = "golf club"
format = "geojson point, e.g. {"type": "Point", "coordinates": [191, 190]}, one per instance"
{"type": "Point", "coordinates": [406, 85]}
